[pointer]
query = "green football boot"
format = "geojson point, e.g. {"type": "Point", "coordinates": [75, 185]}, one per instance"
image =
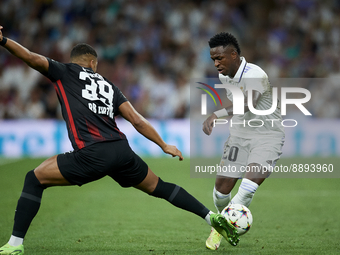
{"type": "Point", "coordinates": [214, 240]}
{"type": "Point", "coordinates": [223, 227]}
{"type": "Point", "coordinates": [12, 250]}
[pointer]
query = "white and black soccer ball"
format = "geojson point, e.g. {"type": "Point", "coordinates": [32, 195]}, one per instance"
{"type": "Point", "coordinates": [239, 216]}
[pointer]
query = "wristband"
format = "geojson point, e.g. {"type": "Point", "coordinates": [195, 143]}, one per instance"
{"type": "Point", "coordinates": [4, 41]}
{"type": "Point", "coordinates": [221, 113]}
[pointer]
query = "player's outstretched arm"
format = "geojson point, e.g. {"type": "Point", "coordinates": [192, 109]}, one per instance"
{"type": "Point", "coordinates": [34, 60]}
{"type": "Point", "coordinates": [144, 127]}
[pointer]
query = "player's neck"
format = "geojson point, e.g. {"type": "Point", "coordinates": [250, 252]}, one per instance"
{"type": "Point", "coordinates": [238, 62]}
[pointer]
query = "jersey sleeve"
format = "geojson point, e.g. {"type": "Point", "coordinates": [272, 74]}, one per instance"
{"type": "Point", "coordinates": [119, 98]}
{"type": "Point", "coordinates": [56, 70]}
{"type": "Point", "coordinates": [258, 81]}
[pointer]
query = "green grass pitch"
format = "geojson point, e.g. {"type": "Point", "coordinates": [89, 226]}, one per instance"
{"type": "Point", "coordinates": [291, 216]}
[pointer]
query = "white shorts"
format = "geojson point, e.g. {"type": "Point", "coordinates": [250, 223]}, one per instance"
{"type": "Point", "coordinates": [240, 152]}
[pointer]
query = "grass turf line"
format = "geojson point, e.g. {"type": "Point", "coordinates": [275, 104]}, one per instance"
{"type": "Point", "coordinates": [291, 216]}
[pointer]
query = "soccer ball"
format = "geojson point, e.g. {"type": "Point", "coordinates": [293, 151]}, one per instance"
{"type": "Point", "coordinates": [239, 216]}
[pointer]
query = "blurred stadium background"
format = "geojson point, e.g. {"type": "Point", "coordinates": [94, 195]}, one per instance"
{"type": "Point", "coordinates": [152, 49]}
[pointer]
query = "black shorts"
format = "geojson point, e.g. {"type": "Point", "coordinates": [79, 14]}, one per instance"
{"type": "Point", "coordinates": [115, 159]}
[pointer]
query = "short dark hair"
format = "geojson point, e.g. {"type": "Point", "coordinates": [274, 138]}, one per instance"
{"type": "Point", "coordinates": [224, 39]}
{"type": "Point", "coordinates": [82, 49]}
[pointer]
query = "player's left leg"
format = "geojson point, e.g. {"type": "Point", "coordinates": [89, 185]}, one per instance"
{"type": "Point", "coordinates": [250, 182]}
{"type": "Point", "coordinates": [180, 198]}
{"type": "Point", "coordinates": [176, 195]}
{"type": "Point", "coordinates": [263, 156]}
{"type": "Point", "coordinates": [36, 181]}
{"type": "Point", "coordinates": [135, 172]}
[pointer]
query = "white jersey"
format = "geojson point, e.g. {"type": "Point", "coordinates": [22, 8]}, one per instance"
{"type": "Point", "coordinates": [252, 76]}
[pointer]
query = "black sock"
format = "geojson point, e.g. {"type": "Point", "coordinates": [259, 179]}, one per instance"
{"type": "Point", "coordinates": [179, 197]}
{"type": "Point", "coordinates": [28, 204]}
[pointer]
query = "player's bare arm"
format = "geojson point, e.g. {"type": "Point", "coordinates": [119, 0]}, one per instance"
{"type": "Point", "coordinates": [209, 122]}
{"type": "Point", "coordinates": [144, 127]}
{"type": "Point", "coordinates": [34, 60]}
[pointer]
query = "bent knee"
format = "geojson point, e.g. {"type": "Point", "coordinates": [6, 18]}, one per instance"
{"type": "Point", "coordinates": [225, 184]}
{"type": "Point", "coordinates": [48, 173]}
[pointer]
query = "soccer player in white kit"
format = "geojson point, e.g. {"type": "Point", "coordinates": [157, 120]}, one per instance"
{"type": "Point", "coordinates": [255, 141]}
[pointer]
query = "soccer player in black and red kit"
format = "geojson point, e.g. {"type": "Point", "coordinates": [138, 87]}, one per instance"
{"type": "Point", "coordinates": [89, 105]}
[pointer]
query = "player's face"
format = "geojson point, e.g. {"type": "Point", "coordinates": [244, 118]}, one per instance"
{"type": "Point", "coordinates": [225, 60]}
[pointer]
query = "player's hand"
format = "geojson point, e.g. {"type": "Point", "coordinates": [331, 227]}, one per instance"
{"type": "Point", "coordinates": [1, 36]}
{"type": "Point", "coordinates": [173, 151]}
{"type": "Point", "coordinates": [208, 124]}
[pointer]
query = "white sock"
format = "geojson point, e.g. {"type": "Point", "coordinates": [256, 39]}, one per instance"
{"type": "Point", "coordinates": [220, 200]}
{"type": "Point", "coordinates": [15, 241]}
{"type": "Point", "coordinates": [245, 192]}
{"type": "Point", "coordinates": [207, 217]}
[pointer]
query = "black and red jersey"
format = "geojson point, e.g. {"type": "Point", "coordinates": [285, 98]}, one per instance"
{"type": "Point", "coordinates": [89, 103]}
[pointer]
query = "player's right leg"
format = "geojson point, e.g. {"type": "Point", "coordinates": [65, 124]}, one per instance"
{"type": "Point", "coordinates": [36, 181]}
{"type": "Point", "coordinates": [48, 173]}
{"type": "Point", "coordinates": [233, 157]}
{"type": "Point", "coordinates": [179, 197]}
{"type": "Point", "coordinates": [221, 198]}
{"type": "Point", "coordinates": [222, 191]}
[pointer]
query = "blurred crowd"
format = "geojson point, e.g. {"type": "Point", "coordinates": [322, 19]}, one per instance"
{"type": "Point", "coordinates": [151, 49]}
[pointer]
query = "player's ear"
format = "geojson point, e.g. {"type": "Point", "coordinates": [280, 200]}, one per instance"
{"type": "Point", "coordinates": [234, 54]}
{"type": "Point", "coordinates": [93, 64]}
